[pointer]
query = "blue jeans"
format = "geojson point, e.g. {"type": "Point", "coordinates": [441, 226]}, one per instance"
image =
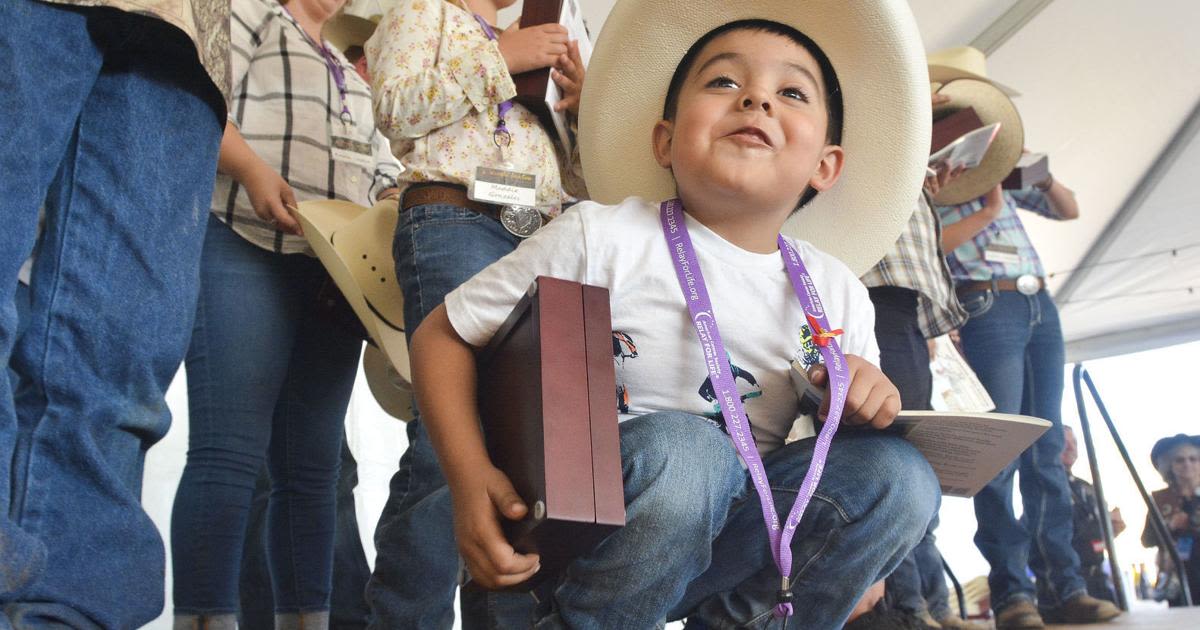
{"type": "Point", "coordinates": [437, 248]}
{"type": "Point", "coordinates": [268, 380]}
{"type": "Point", "coordinates": [1014, 343]}
{"type": "Point", "coordinates": [919, 583]}
{"type": "Point", "coordinates": [694, 544]}
{"type": "Point", "coordinates": [113, 126]}
{"type": "Point", "coordinates": [21, 301]}
{"type": "Point", "coordinates": [347, 607]}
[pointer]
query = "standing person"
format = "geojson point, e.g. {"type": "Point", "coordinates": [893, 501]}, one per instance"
{"type": "Point", "coordinates": [1014, 343]}
{"type": "Point", "coordinates": [1177, 459]}
{"type": "Point", "coordinates": [115, 133]}
{"type": "Point", "coordinates": [269, 378]}
{"type": "Point", "coordinates": [441, 73]}
{"type": "Point", "coordinates": [914, 301]}
{"type": "Point", "coordinates": [1087, 530]}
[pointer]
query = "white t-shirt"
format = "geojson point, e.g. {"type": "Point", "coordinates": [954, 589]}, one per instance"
{"type": "Point", "coordinates": [656, 351]}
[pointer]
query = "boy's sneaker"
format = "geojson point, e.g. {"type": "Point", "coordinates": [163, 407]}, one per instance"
{"type": "Point", "coordinates": [953, 622]}
{"type": "Point", "coordinates": [1021, 615]}
{"type": "Point", "coordinates": [1083, 608]}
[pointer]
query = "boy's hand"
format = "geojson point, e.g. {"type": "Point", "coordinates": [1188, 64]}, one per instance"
{"type": "Point", "coordinates": [272, 198]}
{"type": "Point", "coordinates": [871, 399]}
{"type": "Point", "coordinates": [945, 175]}
{"type": "Point", "coordinates": [531, 48]}
{"type": "Point", "coordinates": [568, 74]}
{"type": "Point", "coordinates": [491, 560]}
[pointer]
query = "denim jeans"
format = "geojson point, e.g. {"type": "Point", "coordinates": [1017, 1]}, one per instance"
{"type": "Point", "coordinates": [695, 546]}
{"type": "Point", "coordinates": [268, 380]}
{"type": "Point", "coordinates": [348, 608]}
{"type": "Point", "coordinates": [919, 583]}
{"type": "Point", "coordinates": [1014, 343]}
{"type": "Point", "coordinates": [436, 247]}
{"type": "Point", "coordinates": [113, 126]}
{"type": "Point", "coordinates": [21, 301]}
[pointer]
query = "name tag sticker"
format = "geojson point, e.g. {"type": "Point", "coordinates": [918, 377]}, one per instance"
{"type": "Point", "coordinates": [1002, 254]}
{"type": "Point", "coordinates": [504, 187]}
{"type": "Point", "coordinates": [350, 151]}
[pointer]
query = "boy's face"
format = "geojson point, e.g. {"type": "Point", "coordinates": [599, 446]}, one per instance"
{"type": "Point", "coordinates": [750, 123]}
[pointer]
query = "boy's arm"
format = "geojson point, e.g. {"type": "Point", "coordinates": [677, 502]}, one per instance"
{"type": "Point", "coordinates": [1049, 199]}
{"type": "Point", "coordinates": [444, 375]}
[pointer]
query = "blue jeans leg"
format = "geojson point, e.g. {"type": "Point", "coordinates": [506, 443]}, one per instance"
{"type": "Point", "coordinates": [129, 133]}
{"type": "Point", "coordinates": [437, 248]}
{"type": "Point", "coordinates": [268, 380]}
{"type": "Point", "coordinates": [1016, 349]}
{"type": "Point", "coordinates": [933, 575]}
{"type": "Point", "coordinates": [874, 503]}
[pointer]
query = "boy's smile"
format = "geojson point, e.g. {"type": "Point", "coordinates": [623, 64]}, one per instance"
{"type": "Point", "coordinates": [749, 133]}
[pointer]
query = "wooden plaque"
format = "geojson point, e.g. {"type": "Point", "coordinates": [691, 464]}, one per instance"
{"type": "Point", "coordinates": [548, 407]}
{"type": "Point", "coordinates": [953, 126]}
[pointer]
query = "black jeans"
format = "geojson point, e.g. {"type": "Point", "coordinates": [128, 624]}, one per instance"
{"type": "Point", "coordinates": [903, 355]}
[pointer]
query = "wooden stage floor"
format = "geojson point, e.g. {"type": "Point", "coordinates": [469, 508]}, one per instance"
{"type": "Point", "coordinates": [1148, 617]}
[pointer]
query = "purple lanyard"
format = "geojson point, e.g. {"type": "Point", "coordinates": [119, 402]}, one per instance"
{"type": "Point", "coordinates": [500, 136]}
{"type": "Point", "coordinates": [695, 293]}
{"type": "Point", "coordinates": [335, 68]}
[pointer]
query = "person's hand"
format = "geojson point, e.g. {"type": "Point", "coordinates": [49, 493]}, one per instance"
{"type": "Point", "coordinates": [872, 399]}
{"type": "Point", "coordinates": [942, 177]}
{"type": "Point", "coordinates": [272, 198]}
{"type": "Point", "coordinates": [568, 74]}
{"type": "Point", "coordinates": [1118, 523]}
{"type": "Point", "coordinates": [478, 507]}
{"type": "Point", "coordinates": [526, 49]}
{"type": "Point", "coordinates": [1178, 522]}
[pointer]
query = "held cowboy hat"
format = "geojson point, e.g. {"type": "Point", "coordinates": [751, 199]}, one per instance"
{"type": "Point", "coordinates": [961, 74]}
{"type": "Point", "coordinates": [354, 244]}
{"type": "Point", "coordinates": [876, 51]}
{"type": "Point", "coordinates": [345, 30]}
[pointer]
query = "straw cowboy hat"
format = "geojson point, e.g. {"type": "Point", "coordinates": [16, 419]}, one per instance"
{"type": "Point", "coordinates": [961, 74]}
{"type": "Point", "coordinates": [962, 62]}
{"type": "Point", "coordinates": [345, 30]}
{"type": "Point", "coordinates": [876, 51]}
{"type": "Point", "coordinates": [354, 244]}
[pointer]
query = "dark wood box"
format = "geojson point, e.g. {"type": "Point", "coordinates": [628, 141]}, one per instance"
{"type": "Point", "coordinates": [547, 401]}
{"type": "Point", "coordinates": [532, 85]}
{"type": "Point", "coordinates": [953, 126]}
{"type": "Point", "coordinates": [1033, 168]}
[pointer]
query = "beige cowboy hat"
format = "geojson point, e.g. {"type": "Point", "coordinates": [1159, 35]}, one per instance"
{"type": "Point", "coordinates": [876, 51]}
{"type": "Point", "coordinates": [345, 30]}
{"type": "Point", "coordinates": [353, 242]}
{"type": "Point", "coordinates": [962, 62]}
{"type": "Point", "coordinates": [991, 105]}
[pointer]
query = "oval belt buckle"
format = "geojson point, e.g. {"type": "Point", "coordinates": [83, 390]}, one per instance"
{"type": "Point", "coordinates": [520, 221]}
{"type": "Point", "coordinates": [1028, 284]}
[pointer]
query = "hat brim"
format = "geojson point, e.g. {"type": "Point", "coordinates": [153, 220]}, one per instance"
{"type": "Point", "coordinates": [876, 51]}
{"type": "Point", "coordinates": [1002, 156]}
{"type": "Point", "coordinates": [321, 221]}
{"type": "Point", "coordinates": [1168, 444]}
{"type": "Point", "coordinates": [946, 74]}
{"type": "Point", "coordinates": [392, 392]}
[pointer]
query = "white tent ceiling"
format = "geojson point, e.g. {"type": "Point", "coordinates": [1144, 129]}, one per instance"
{"type": "Point", "coordinates": [1108, 88]}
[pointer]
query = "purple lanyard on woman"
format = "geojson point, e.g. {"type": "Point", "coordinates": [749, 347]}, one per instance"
{"type": "Point", "coordinates": [500, 136]}
{"type": "Point", "coordinates": [695, 293]}
{"type": "Point", "coordinates": [335, 68]}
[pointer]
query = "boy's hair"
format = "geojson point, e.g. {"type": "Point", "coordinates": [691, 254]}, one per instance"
{"type": "Point", "coordinates": [833, 90]}
{"type": "Point", "coordinates": [354, 53]}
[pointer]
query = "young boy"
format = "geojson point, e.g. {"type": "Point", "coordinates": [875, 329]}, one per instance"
{"type": "Point", "coordinates": [751, 128]}
{"type": "Point", "coordinates": [441, 76]}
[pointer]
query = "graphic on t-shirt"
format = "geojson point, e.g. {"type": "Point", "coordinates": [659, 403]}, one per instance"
{"type": "Point", "coordinates": [809, 354]}
{"type": "Point", "coordinates": [709, 393]}
{"type": "Point", "coordinates": [623, 348]}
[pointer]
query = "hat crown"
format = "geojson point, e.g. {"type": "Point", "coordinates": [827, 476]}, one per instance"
{"type": "Point", "coordinates": [964, 58]}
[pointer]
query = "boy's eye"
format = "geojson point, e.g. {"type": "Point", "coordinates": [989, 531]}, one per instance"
{"type": "Point", "coordinates": [722, 82]}
{"type": "Point", "coordinates": [794, 93]}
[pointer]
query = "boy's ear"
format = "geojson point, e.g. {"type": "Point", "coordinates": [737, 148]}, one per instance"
{"type": "Point", "coordinates": [661, 141]}
{"type": "Point", "coordinates": [829, 168]}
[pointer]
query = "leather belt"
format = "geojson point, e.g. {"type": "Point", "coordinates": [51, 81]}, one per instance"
{"type": "Point", "coordinates": [1002, 284]}
{"type": "Point", "coordinates": [425, 194]}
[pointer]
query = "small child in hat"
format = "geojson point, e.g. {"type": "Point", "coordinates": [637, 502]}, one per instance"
{"type": "Point", "coordinates": [757, 121]}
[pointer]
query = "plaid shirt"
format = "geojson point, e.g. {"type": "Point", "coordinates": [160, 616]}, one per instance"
{"type": "Point", "coordinates": [969, 263]}
{"type": "Point", "coordinates": [916, 263]}
{"type": "Point", "coordinates": [286, 105]}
